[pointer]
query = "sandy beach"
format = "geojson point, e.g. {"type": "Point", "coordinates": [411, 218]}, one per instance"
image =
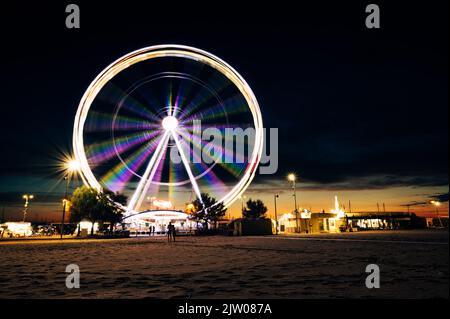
{"type": "Point", "coordinates": [413, 264]}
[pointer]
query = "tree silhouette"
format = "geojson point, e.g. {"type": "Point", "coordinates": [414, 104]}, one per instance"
{"type": "Point", "coordinates": [207, 212]}
{"type": "Point", "coordinates": [255, 209]}
{"type": "Point", "coordinates": [85, 205]}
{"type": "Point", "coordinates": [117, 197]}
{"type": "Point", "coordinates": [88, 203]}
{"type": "Point", "coordinates": [112, 212]}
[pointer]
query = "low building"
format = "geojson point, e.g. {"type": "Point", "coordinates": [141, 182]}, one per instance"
{"type": "Point", "coordinates": [139, 224]}
{"type": "Point", "coordinates": [251, 227]}
{"type": "Point", "coordinates": [308, 222]}
{"type": "Point", "coordinates": [393, 220]}
{"type": "Point", "coordinates": [16, 229]}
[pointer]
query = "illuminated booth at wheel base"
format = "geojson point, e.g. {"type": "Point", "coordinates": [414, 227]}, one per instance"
{"type": "Point", "coordinates": [142, 223]}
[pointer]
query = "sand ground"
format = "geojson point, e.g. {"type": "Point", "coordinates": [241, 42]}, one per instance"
{"type": "Point", "coordinates": [413, 264]}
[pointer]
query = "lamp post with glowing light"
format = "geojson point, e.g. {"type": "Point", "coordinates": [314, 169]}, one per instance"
{"type": "Point", "coordinates": [292, 178]}
{"type": "Point", "coordinates": [71, 167]}
{"type": "Point", "coordinates": [436, 205]}
{"type": "Point", "coordinates": [276, 215]}
{"type": "Point", "coordinates": [242, 197]}
{"type": "Point", "coordinates": [189, 208]}
{"type": "Point", "coordinates": [27, 199]}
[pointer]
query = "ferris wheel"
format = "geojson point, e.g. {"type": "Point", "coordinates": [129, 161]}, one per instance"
{"type": "Point", "coordinates": [140, 127]}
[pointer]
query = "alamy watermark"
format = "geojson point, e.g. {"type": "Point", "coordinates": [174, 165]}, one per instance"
{"type": "Point", "coordinates": [373, 279]}
{"type": "Point", "coordinates": [73, 17]}
{"type": "Point", "coordinates": [373, 19]}
{"type": "Point", "coordinates": [73, 278]}
{"type": "Point", "coordinates": [234, 145]}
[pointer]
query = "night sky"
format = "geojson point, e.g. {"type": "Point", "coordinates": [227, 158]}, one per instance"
{"type": "Point", "coordinates": [361, 113]}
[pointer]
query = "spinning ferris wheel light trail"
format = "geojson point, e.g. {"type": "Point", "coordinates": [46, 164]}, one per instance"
{"type": "Point", "coordinates": [188, 169]}
{"type": "Point", "coordinates": [144, 184]}
{"type": "Point", "coordinates": [144, 104]}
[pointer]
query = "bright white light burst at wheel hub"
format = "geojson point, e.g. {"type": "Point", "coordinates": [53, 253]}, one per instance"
{"type": "Point", "coordinates": [170, 123]}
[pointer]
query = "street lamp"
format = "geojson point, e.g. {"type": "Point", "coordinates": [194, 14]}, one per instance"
{"type": "Point", "coordinates": [190, 208]}
{"type": "Point", "coordinates": [436, 205]}
{"type": "Point", "coordinates": [292, 178]}
{"type": "Point", "coordinates": [27, 199]}
{"type": "Point", "coordinates": [72, 166]}
{"type": "Point", "coordinates": [276, 216]}
{"type": "Point", "coordinates": [242, 204]}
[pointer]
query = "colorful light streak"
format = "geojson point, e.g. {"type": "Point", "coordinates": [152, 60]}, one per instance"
{"type": "Point", "coordinates": [231, 106]}
{"type": "Point", "coordinates": [101, 122]}
{"type": "Point", "coordinates": [117, 178]}
{"type": "Point", "coordinates": [227, 155]}
{"type": "Point", "coordinates": [147, 177]}
{"type": "Point", "coordinates": [99, 152]}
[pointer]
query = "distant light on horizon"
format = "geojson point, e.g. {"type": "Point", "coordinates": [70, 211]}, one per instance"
{"type": "Point", "coordinates": [292, 177]}
{"type": "Point", "coordinates": [436, 203]}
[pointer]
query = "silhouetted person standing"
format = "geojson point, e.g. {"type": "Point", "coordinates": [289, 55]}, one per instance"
{"type": "Point", "coordinates": [169, 232]}
{"type": "Point", "coordinates": [174, 232]}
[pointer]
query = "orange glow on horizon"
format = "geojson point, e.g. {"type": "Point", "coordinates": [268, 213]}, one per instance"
{"type": "Point", "coordinates": [395, 200]}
